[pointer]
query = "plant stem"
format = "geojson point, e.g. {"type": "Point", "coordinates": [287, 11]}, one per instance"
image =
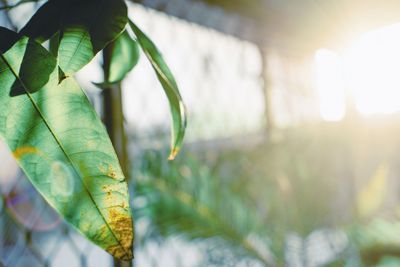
{"type": "Point", "coordinates": [113, 119]}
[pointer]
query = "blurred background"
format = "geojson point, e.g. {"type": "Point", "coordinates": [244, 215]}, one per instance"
{"type": "Point", "coordinates": [292, 154]}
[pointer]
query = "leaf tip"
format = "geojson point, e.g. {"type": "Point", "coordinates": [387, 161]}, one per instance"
{"type": "Point", "coordinates": [124, 255]}
{"type": "Point", "coordinates": [173, 154]}
{"type": "Point", "coordinates": [105, 85]}
{"type": "Point", "coordinates": [61, 76]}
{"type": "Point", "coordinates": [121, 224]}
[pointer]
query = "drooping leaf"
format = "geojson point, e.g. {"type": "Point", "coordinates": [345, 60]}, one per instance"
{"type": "Point", "coordinates": [63, 147]}
{"type": "Point", "coordinates": [86, 27]}
{"type": "Point", "coordinates": [124, 57]}
{"type": "Point", "coordinates": [170, 86]}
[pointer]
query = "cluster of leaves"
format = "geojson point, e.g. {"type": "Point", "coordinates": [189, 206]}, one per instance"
{"type": "Point", "coordinates": [51, 127]}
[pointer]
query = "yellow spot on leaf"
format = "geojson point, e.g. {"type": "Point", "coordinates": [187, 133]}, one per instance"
{"type": "Point", "coordinates": [21, 151]}
{"type": "Point", "coordinates": [91, 144]}
{"type": "Point", "coordinates": [111, 198]}
{"type": "Point", "coordinates": [109, 188]}
{"type": "Point", "coordinates": [111, 172]}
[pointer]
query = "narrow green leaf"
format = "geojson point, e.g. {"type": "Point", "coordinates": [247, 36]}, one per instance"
{"type": "Point", "coordinates": [168, 82]}
{"type": "Point", "coordinates": [124, 58]}
{"type": "Point", "coordinates": [125, 55]}
{"type": "Point", "coordinates": [63, 148]}
{"type": "Point", "coordinates": [86, 27]}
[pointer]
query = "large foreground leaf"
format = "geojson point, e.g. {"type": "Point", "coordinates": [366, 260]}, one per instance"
{"type": "Point", "coordinates": [168, 82]}
{"type": "Point", "coordinates": [86, 27]}
{"type": "Point", "coordinates": [63, 147]}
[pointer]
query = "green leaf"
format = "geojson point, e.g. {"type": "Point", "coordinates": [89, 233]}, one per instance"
{"type": "Point", "coordinates": [168, 82]}
{"type": "Point", "coordinates": [125, 56]}
{"type": "Point", "coordinates": [36, 76]}
{"type": "Point", "coordinates": [8, 38]}
{"type": "Point", "coordinates": [46, 21]}
{"type": "Point", "coordinates": [63, 147]}
{"type": "Point", "coordinates": [86, 27]}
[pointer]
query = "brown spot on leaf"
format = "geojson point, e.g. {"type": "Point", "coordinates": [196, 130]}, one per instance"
{"type": "Point", "coordinates": [120, 253]}
{"type": "Point", "coordinates": [111, 199]}
{"type": "Point", "coordinates": [111, 172]}
{"type": "Point", "coordinates": [109, 188]}
{"type": "Point", "coordinates": [121, 224]}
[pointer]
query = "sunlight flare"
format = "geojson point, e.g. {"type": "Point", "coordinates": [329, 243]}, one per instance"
{"type": "Point", "coordinates": [369, 70]}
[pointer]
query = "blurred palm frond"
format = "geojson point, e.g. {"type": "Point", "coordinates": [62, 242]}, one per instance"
{"type": "Point", "coordinates": [186, 200]}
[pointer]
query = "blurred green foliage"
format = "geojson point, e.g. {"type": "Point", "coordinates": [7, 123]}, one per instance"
{"type": "Point", "coordinates": [299, 181]}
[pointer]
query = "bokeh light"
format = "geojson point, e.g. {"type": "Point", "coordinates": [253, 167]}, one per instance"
{"type": "Point", "coordinates": [28, 208]}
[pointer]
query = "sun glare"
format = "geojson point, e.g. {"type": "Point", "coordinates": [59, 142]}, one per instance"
{"type": "Point", "coordinates": [369, 70]}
